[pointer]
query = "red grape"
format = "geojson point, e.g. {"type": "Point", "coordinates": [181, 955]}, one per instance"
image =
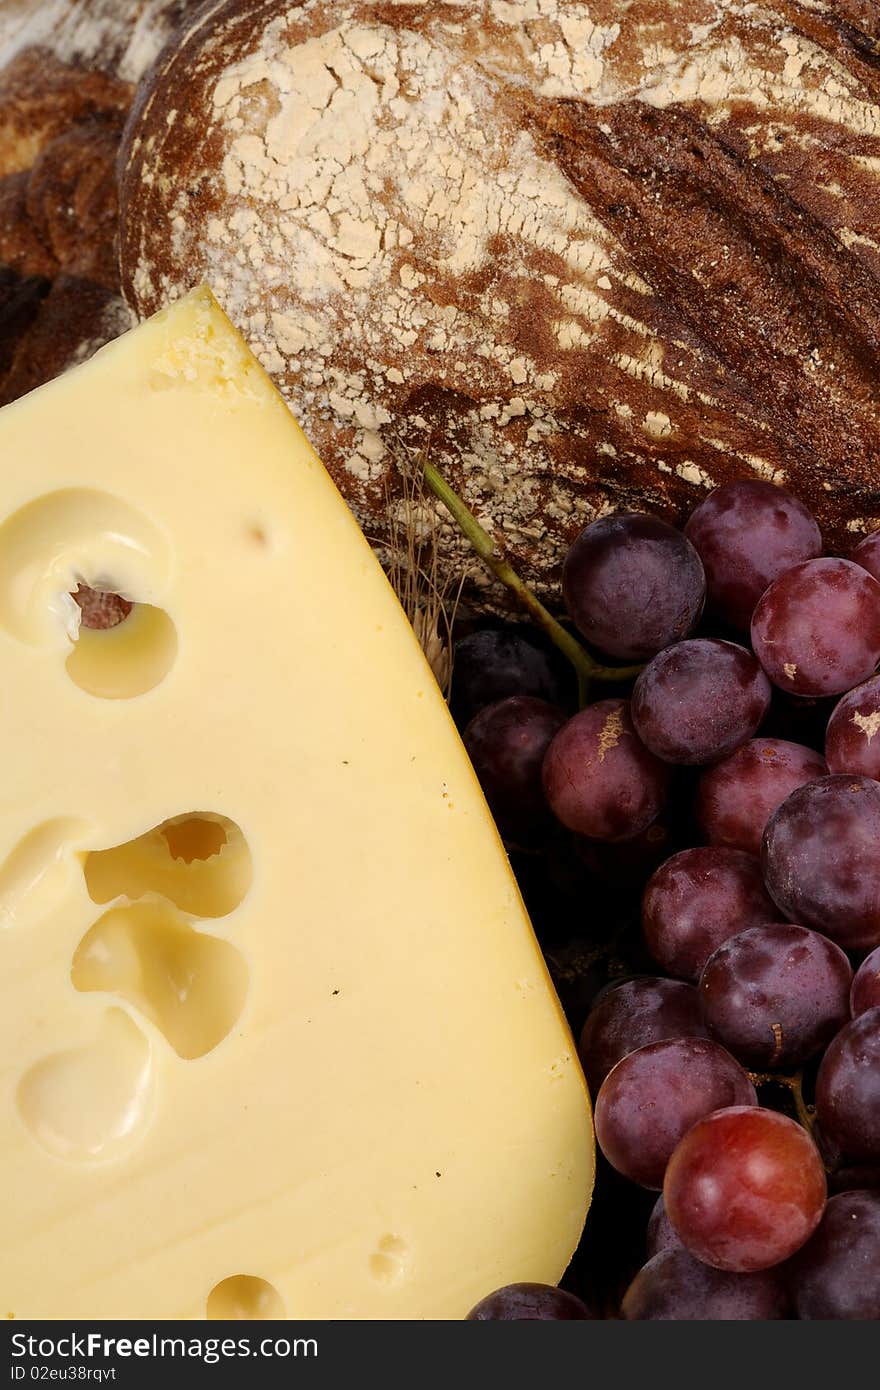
{"type": "Point", "coordinates": [599, 778]}
{"type": "Point", "coordinates": [821, 857]}
{"type": "Point", "coordinates": [652, 1097]}
{"type": "Point", "coordinates": [660, 1235]}
{"type": "Point", "coordinates": [633, 585]}
{"type": "Point", "coordinates": [506, 743]}
{"type": "Point", "coordinates": [776, 995]}
{"type": "Point", "coordinates": [851, 742]}
{"type": "Point", "coordinates": [745, 1188]}
{"type": "Point", "coordinates": [674, 1287]}
{"type": "Point", "coordinates": [816, 630]}
{"type": "Point", "coordinates": [737, 797]}
{"type": "Point", "coordinates": [493, 663]}
{"type": "Point", "coordinates": [699, 700]}
{"type": "Point", "coordinates": [696, 900]}
{"type": "Point", "coordinates": [867, 554]}
{"type": "Point", "coordinates": [837, 1273]}
{"type": "Point", "coordinates": [747, 533]}
{"type": "Point", "coordinates": [865, 993]}
{"type": "Point", "coordinates": [632, 1014]}
{"type": "Point", "coordinates": [529, 1303]}
{"type": "Point", "coordinates": [848, 1089]}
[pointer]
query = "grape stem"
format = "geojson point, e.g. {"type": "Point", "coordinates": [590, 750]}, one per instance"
{"type": "Point", "coordinates": [794, 1084]}
{"type": "Point", "coordinates": [586, 668]}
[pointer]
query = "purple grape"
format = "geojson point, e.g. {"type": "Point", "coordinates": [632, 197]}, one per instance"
{"type": "Point", "coordinates": [699, 700]}
{"type": "Point", "coordinates": [865, 993]}
{"type": "Point", "coordinates": [800, 718]}
{"type": "Point", "coordinates": [848, 1089]}
{"type": "Point", "coordinates": [851, 740]}
{"type": "Point", "coordinates": [529, 1303]}
{"type": "Point", "coordinates": [867, 554]}
{"type": "Point", "coordinates": [775, 995]}
{"type": "Point", "coordinates": [747, 533]}
{"type": "Point", "coordinates": [633, 1014]}
{"type": "Point", "coordinates": [821, 857]}
{"type": "Point", "coordinates": [633, 585]}
{"type": "Point", "coordinates": [837, 1273]}
{"type": "Point", "coordinates": [660, 1234]}
{"type": "Point", "coordinates": [696, 900]}
{"type": "Point", "coordinates": [816, 630]}
{"type": "Point", "coordinates": [736, 798]}
{"type": "Point", "coordinates": [494, 663]}
{"type": "Point", "coordinates": [852, 1179]}
{"type": "Point", "coordinates": [627, 865]}
{"type": "Point", "coordinates": [674, 1287]}
{"type": "Point", "coordinates": [506, 743]}
{"type": "Point", "coordinates": [599, 778]}
{"type": "Point", "coordinates": [650, 1100]}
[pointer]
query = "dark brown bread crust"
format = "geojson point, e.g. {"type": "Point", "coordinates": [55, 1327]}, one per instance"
{"type": "Point", "coordinates": [70, 319]}
{"type": "Point", "coordinates": [674, 191]}
{"type": "Point", "coordinates": [726, 161]}
{"type": "Point", "coordinates": [42, 96]}
{"type": "Point", "coordinates": [63, 103]}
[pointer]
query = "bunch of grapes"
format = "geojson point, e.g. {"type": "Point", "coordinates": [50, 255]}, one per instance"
{"type": "Point", "coordinates": [749, 745]}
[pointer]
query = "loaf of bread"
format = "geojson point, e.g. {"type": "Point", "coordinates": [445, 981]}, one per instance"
{"type": "Point", "coordinates": [587, 257]}
{"type": "Point", "coordinates": [68, 70]}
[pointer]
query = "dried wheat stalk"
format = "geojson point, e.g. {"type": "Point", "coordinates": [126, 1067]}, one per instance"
{"type": "Point", "coordinates": [428, 594]}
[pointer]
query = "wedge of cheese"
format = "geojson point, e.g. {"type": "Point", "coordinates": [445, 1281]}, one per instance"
{"type": "Point", "coordinates": [276, 1039]}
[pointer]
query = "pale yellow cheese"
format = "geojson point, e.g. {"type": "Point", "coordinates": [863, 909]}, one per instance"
{"type": "Point", "coordinates": [276, 1038]}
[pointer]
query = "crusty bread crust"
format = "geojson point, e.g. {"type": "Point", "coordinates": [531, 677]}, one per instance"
{"type": "Point", "coordinates": [67, 74]}
{"type": "Point", "coordinates": [587, 257]}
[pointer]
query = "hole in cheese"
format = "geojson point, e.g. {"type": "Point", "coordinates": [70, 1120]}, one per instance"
{"type": "Point", "coordinates": [198, 861]}
{"type": "Point", "coordinates": [194, 838]}
{"type": "Point", "coordinates": [126, 659]}
{"type": "Point", "coordinates": [191, 986]}
{"type": "Point", "coordinates": [40, 871]}
{"type": "Point", "coordinates": [244, 1297]}
{"type": "Point", "coordinates": [389, 1261]}
{"type": "Point", "coordinates": [258, 534]}
{"type": "Point", "coordinates": [92, 1100]}
{"type": "Point", "coordinates": [72, 538]}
